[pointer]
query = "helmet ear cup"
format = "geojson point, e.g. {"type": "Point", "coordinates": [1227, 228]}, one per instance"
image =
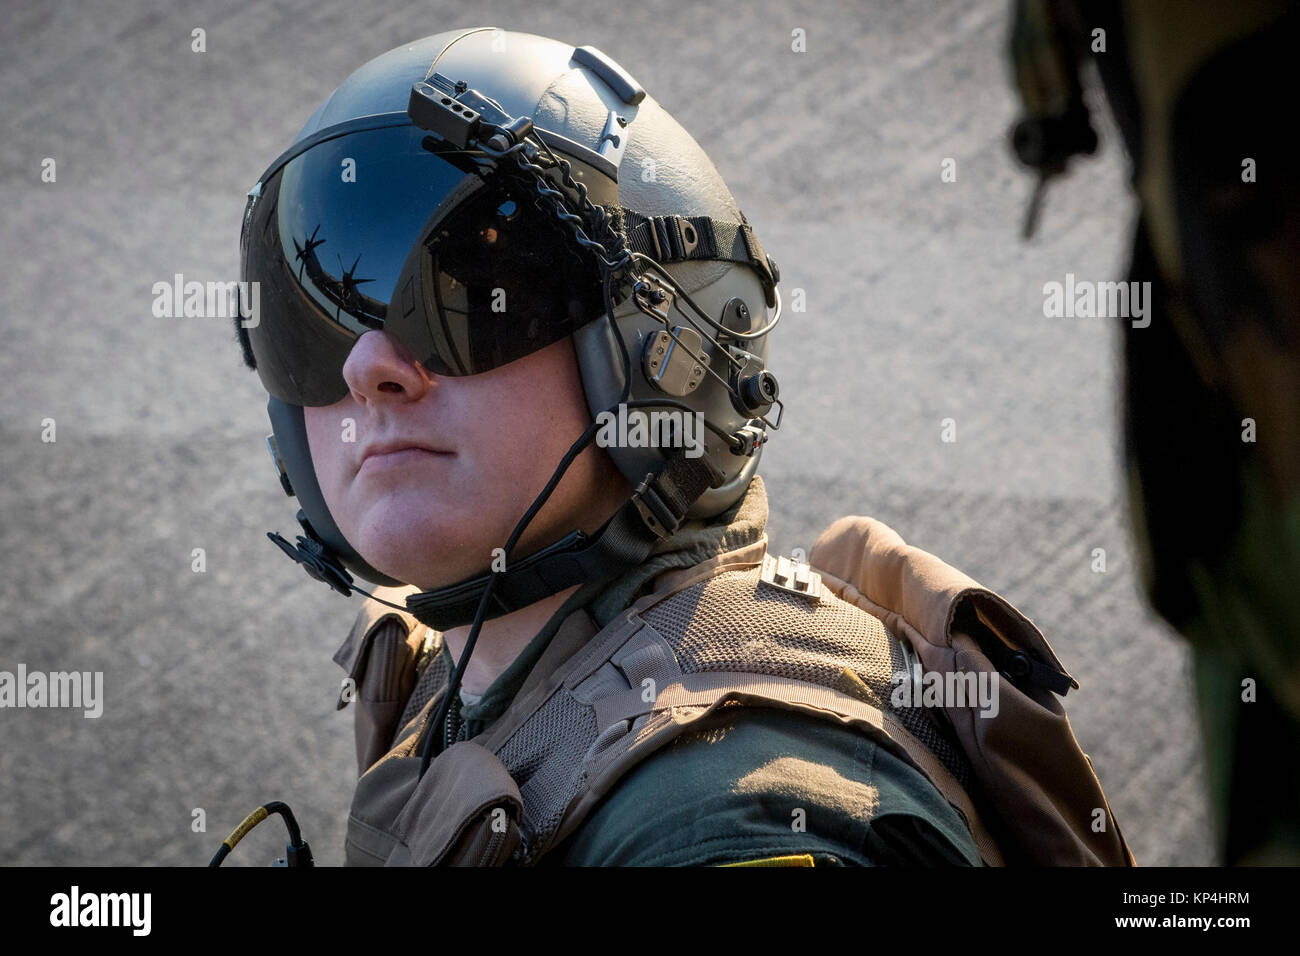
{"type": "Point", "coordinates": [290, 430]}
{"type": "Point", "coordinates": [600, 360]}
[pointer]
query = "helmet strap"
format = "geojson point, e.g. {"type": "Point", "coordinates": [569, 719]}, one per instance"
{"type": "Point", "coordinates": [653, 512]}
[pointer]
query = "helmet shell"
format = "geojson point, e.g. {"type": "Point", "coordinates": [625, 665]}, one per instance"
{"type": "Point", "coordinates": [656, 169]}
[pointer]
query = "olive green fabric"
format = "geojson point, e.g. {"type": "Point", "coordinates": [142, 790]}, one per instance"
{"type": "Point", "coordinates": [758, 783]}
{"type": "Point", "coordinates": [730, 791]}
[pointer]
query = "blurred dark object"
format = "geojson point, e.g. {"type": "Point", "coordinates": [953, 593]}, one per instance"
{"type": "Point", "coordinates": [1201, 92]}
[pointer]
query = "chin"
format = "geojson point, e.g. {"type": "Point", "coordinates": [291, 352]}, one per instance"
{"type": "Point", "coordinates": [422, 547]}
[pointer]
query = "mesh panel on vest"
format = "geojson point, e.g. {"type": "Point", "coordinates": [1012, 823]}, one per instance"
{"type": "Point", "coordinates": [543, 755]}
{"type": "Point", "coordinates": [431, 680]}
{"type": "Point", "coordinates": [731, 623]}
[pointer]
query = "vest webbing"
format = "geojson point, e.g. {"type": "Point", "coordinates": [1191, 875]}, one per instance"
{"type": "Point", "coordinates": [587, 714]}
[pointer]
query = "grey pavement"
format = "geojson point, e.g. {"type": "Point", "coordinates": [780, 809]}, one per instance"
{"type": "Point", "coordinates": [922, 305]}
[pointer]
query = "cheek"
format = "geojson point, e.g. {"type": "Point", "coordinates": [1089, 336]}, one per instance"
{"type": "Point", "coordinates": [547, 412]}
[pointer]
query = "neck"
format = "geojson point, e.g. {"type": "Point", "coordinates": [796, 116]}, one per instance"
{"type": "Point", "coordinates": [501, 640]}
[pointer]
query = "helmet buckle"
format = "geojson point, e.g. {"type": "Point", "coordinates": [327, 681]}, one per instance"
{"type": "Point", "coordinates": [656, 514]}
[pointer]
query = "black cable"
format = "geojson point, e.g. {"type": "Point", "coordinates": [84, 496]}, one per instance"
{"type": "Point", "coordinates": [732, 333]}
{"type": "Point", "coordinates": [396, 607]}
{"type": "Point", "coordinates": [453, 686]}
{"type": "Point", "coordinates": [609, 269]}
{"type": "Point", "coordinates": [297, 853]}
{"type": "Point", "coordinates": [622, 343]}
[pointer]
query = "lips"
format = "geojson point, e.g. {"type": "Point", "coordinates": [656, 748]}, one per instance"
{"type": "Point", "coordinates": [396, 448]}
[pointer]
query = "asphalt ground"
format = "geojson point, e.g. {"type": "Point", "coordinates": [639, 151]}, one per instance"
{"type": "Point", "coordinates": [922, 304]}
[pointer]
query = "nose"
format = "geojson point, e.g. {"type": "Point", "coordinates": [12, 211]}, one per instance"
{"type": "Point", "coordinates": [380, 369]}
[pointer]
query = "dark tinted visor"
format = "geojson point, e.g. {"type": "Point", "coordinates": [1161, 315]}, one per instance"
{"type": "Point", "coordinates": [374, 231]}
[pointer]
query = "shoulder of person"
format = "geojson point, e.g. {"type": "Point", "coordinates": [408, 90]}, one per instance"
{"type": "Point", "coordinates": [765, 786]}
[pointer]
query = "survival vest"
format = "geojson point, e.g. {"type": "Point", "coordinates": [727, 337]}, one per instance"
{"type": "Point", "coordinates": [741, 629]}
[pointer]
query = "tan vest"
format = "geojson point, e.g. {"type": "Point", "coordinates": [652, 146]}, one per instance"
{"type": "Point", "coordinates": [737, 630]}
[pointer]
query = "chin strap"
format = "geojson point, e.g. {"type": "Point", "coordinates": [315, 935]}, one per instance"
{"type": "Point", "coordinates": [654, 512]}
